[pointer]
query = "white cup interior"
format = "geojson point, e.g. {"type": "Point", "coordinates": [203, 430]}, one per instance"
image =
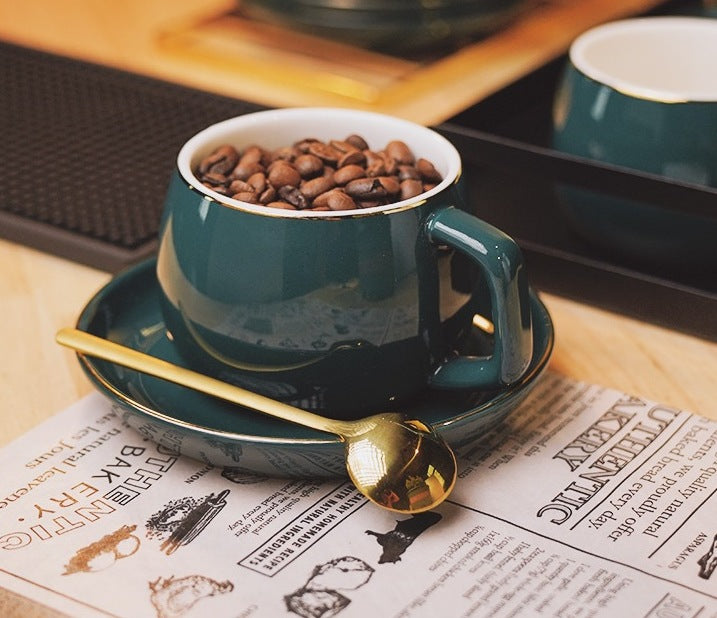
{"type": "Point", "coordinates": [670, 59]}
{"type": "Point", "coordinates": [282, 127]}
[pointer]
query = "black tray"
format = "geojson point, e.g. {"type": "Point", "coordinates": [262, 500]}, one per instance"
{"type": "Point", "coordinates": [511, 174]}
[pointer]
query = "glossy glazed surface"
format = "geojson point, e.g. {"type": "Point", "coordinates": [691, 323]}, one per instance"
{"type": "Point", "coordinates": [127, 311]}
{"type": "Point", "coordinates": [350, 311]}
{"type": "Point", "coordinates": [618, 104]}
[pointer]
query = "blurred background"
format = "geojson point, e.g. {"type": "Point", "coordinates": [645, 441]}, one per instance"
{"type": "Point", "coordinates": [421, 59]}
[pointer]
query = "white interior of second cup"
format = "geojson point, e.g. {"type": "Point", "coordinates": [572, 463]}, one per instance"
{"type": "Point", "coordinates": [282, 127]}
{"type": "Point", "coordinates": [670, 59]}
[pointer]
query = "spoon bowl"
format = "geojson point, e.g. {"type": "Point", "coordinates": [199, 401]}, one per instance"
{"type": "Point", "coordinates": [399, 464]}
{"type": "Point", "coordinates": [418, 473]}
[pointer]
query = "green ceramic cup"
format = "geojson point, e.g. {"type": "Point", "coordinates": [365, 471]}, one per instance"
{"type": "Point", "coordinates": [347, 312]}
{"type": "Point", "coordinates": [642, 94]}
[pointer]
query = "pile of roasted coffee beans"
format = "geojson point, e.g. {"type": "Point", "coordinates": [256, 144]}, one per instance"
{"type": "Point", "coordinates": [316, 175]}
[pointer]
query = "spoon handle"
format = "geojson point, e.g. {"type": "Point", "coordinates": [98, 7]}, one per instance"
{"type": "Point", "coordinates": [98, 347]}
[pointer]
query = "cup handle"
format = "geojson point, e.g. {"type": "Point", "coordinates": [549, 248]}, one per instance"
{"type": "Point", "coordinates": [501, 263]}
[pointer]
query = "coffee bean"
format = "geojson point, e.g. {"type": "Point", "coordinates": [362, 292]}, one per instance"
{"type": "Point", "coordinates": [335, 199]}
{"type": "Point", "coordinates": [257, 181]}
{"type": "Point", "coordinates": [246, 196]}
{"type": "Point", "coordinates": [366, 188]}
{"type": "Point", "coordinates": [377, 168]}
{"type": "Point", "coordinates": [238, 186]}
{"type": "Point", "coordinates": [357, 141]}
{"type": "Point", "coordinates": [285, 153]}
{"type": "Point", "coordinates": [389, 164]}
{"type": "Point", "coordinates": [338, 200]}
{"type": "Point", "coordinates": [309, 165]}
{"type": "Point", "coordinates": [411, 187]}
{"type": "Point", "coordinates": [317, 186]}
{"type": "Point", "coordinates": [390, 184]}
{"type": "Point", "coordinates": [217, 188]}
{"type": "Point", "coordinates": [323, 199]}
{"type": "Point", "coordinates": [215, 179]}
{"type": "Point", "coordinates": [253, 154]}
{"type": "Point", "coordinates": [283, 174]}
{"type": "Point", "coordinates": [220, 161]}
{"type": "Point", "coordinates": [399, 152]}
{"type": "Point", "coordinates": [243, 170]}
{"type": "Point", "coordinates": [347, 173]}
{"type": "Point", "coordinates": [268, 195]}
{"type": "Point", "coordinates": [353, 157]}
{"type": "Point", "coordinates": [342, 145]}
{"type": "Point", "coordinates": [428, 172]}
{"type": "Point", "coordinates": [311, 174]}
{"type": "Point", "coordinates": [282, 205]}
{"type": "Point", "coordinates": [372, 157]}
{"type": "Point", "coordinates": [304, 144]}
{"type": "Point", "coordinates": [369, 203]}
{"type": "Point", "coordinates": [408, 171]}
{"type": "Point", "coordinates": [295, 197]}
{"type": "Point", "coordinates": [328, 154]}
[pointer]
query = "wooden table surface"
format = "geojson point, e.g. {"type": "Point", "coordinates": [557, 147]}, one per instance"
{"type": "Point", "coordinates": [194, 42]}
{"type": "Point", "coordinates": [40, 293]}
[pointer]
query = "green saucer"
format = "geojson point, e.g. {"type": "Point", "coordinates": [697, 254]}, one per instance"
{"type": "Point", "coordinates": [127, 311]}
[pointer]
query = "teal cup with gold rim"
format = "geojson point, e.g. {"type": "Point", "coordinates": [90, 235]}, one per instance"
{"type": "Point", "coordinates": [641, 94]}
{"type": "Point", "coordinates": [342, 312]}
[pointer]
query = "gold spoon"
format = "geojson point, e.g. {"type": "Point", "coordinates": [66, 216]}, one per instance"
{"type": "Point", "coordinates": [399, 464]}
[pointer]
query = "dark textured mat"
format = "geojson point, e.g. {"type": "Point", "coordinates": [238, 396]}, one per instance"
{"type": "Point", "coordinates": [88, 151]}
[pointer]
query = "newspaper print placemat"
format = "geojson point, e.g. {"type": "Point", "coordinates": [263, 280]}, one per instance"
{"type": "Point", "coordinates": [585, 502]}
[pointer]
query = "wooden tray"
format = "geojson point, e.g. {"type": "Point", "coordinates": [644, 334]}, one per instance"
{"type": "Point", "coordinates": [278, 67]}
